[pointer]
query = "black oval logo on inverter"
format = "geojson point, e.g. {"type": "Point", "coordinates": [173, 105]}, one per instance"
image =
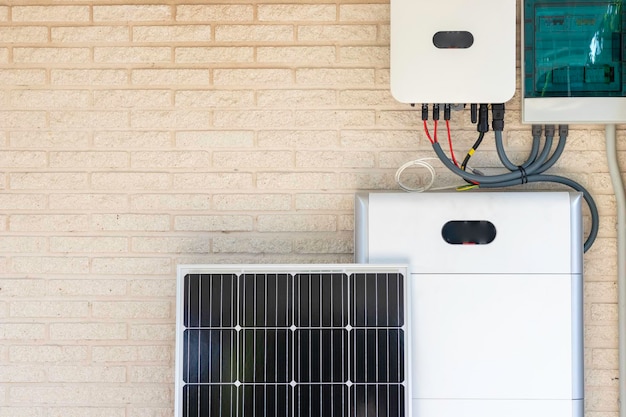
{"type": "Point", "coordinates": [453, 39]}
{"type": "Point", "coordinates": [468, 232]}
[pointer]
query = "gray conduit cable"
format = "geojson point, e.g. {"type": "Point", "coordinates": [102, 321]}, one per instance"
{"type": "Point", "coordinates": [620, 198]}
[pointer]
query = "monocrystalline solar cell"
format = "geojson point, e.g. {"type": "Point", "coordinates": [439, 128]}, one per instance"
{"type": "Point", "coordinates": [257, 344]}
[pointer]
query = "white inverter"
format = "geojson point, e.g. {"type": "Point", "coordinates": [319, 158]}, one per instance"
{"type": "Point", "coordinates": [495, 299]}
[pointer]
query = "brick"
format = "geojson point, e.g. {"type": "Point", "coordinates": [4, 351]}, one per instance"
{"type": "Point", "coordinates": [365, 55]}
{"type": "Point", "coordinates": [601, 291]}
{"type": "Point", "coordinates": [50, 13]}
{"type": "Point", "coordinates": [161, 159]}
{"type": "Point", "coordinates": [21, 374]}
{"type": "Point", "coordinates": [131, 353]}
{"type": "Point", "coordinates": [90, 394]}
{"type": "Point", "coordinates": [24, 34]}
{"type": "Point", "coordinates": [165, 412]}
{"type": "Point", "coordinates": [107, 202]}
{"type": "Point", "coordinates": [88, 159]}
{"type": "Point", "coordinates": [252, 245]}
{"type": "Point", "coordinates": [130, 180]}
{"type": "Point", "coordinates": [324, 245]}
{"type": "Point", "coordinates": [4, 13]}
{"type": "Point", "coordinates": [50, 265]}
{"type": "Point", "coordinates": [600, 336]}
{"type": "Point", "coordinates": [47, 353]}
{"type": "Point", "coordinates": [254, 33]}
{"type": "Point", "coordinates": [131, 222]}
{"type": "Point", "coordinates": [153, 288]}
{"type": "Point", "coordinates": [132, 13]}
{"type": "Point", "coordinates": [87, 411]}
{"type": "Point", "coordinates": [207, 181]}
{"type": "Point", "coordinates": [83, 288]}
{"type": "Point", "coordinates": [92, 374]}
{"type": "Point", "coordinates": [335, 118]}
{"type": "Point", "coordinates": [367, 180]}
{"type": "Point", "coordinates": [48, 222]}
{"type": "Point", "coordinates": [21, 119]}
{"type": "Point", "coordinates": [88, 331]}
{"type": "Point", "coordinates": [21, 411]}
{"type": "Point", "coordinates": [22, 331]}
{"type": "Point", "coordinates": [215, 13]}
{"type": "Point", "coordinates": [91, 34]}
{"type": "Point", "coordinates": [307, 55]}
{"type": "Point", "coordinates": [334, 76]}
{"type": "Point", "coordinates": [22, 201]}
{"type": "Point", "coordinates": [296, 98]}
{"type": "Point", "coordinates": [170, 119]}
{"type": "Point", "coordinates": [297, 12]}
{"type": "Point", "coordinates": [47, 181]}
{"type": "Point", "coordinates": [364, 12]}
{"type": "Point", "coordinates": [258, 202]}
{"type": "Point", "coordinates": [604, 358]}
{"type": "Point", "coordinates": [252, 77]}
{"type": "Point", "coordinates": [324, 201]}
{"type": "Point", "coordinates": [131, 309]}
{"type": "Point", "coordinates": [24, 244]}
{"type": "Point", "coordinates": [31, 77]}
{"type": "Point", "coordinates": [88, 119]}
{"type": "Point", "coordinates": [297, 139]}
{"type": "Point", "coordinates": [169, 34]}
{"type": "Point", "coordinates": [81, 77]}
{"type": "Point", "coordinates": [38, 309]}
{"type": "Point", "coordinates": [213, 223]}
{"type": "Point", "coordinates": [43, 99]}
{"type": "Point", "coordinates": [296, 223]}
{"type": "Point", "coordinates": [131, 266]}
{"type": "Point", "coordinates": [51, 55]}
{"type": "Point", "coordinates": [366, 98]}
{"type": "Point", "coordinates": [132, 98]}
{"type": "Point", "coordinates": [49, 139]}
{"type": "Point", "coordinates": [214, 54]}
{"type": "Point", "coordinates": [151, 374]}
{"type": "Point", "coordinates": [88, 244]}
{"type": "Point", "coordinates": [264, 159]}
{"type": "Point", "coordinates": [132, 139]}
{"type": "Point", "coordinates": [337, 33]}
{"type": "Point", "coordinates": [296, 180]}
{"type": "Point", "coordinates": [152, 332]}
{"type": "Point", "coordinates": [22, 287]}
{"type": "Point", "coordinates": [327, 159]}
{"type": "Point", "coordinates": [252, 118]}
{"type": "Point", "coordinates": [22, 159]}
{"type": "Point", "coordinates": [214, 98]}
{"type": "Point", "coordinates": [171, 244]}
{"type": "Point", "coordinates": [132, 54]}
{"type": "Point", "coordinates": [166, 77]}
{"type": "Point", "coordinates": [171, 202]}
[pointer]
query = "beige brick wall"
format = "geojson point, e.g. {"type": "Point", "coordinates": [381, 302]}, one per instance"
{"type": "Point", "coordinates": [139, 136]}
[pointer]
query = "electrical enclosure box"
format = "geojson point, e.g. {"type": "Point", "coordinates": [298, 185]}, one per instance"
{"type": "Point", "coordinates": [573, 61]}
{"type": "Point", "coordinates": [495, 299]}
{"type": "Point", "coordinates": [453, 51]}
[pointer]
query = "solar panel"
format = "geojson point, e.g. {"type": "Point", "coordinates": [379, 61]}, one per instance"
{"type": "Point", "coordinates": [291, 341]}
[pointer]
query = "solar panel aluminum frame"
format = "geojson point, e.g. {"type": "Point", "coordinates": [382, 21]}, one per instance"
{"type": "Point", "coordinates": [347, 269]}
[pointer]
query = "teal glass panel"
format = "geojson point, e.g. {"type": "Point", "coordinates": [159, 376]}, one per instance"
{"type": "Point", "coordinates": [574, 49]}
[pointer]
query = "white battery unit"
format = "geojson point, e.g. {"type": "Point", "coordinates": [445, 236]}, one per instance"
{"type": "Point", "coordinates": [495, 299]}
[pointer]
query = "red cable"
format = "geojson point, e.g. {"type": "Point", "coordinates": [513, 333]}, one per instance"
{"type": "Point", "coordinates": [435, 135]}
{"type": "Point", "coordinates": [428, 133]}
{"type": "Point", "coordinates": [450, 143]}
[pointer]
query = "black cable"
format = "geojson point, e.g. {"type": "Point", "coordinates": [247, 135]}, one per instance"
{"type": "Point", "coordinates": [472, 150]}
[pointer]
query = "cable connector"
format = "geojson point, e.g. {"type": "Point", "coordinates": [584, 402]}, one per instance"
{"type": "Point", "coordinates": [563, 130]}
{"type": "Point", "coordinates": [435, 111]}
{"type": "Point", "coordinates": [497, 117]}
{"type": "Point", "coordinates": [483, 118]}
{"type": "Point", "coordinates": [549, 130]}
{"type": "Point", "coordinates": [446, 111]}
{"type": "Point", "coordinates": [424, 112]}
{"type": "Point", "coordinates": [473, 113]}
{"type": "Point", "coordinates": [537, 130]}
